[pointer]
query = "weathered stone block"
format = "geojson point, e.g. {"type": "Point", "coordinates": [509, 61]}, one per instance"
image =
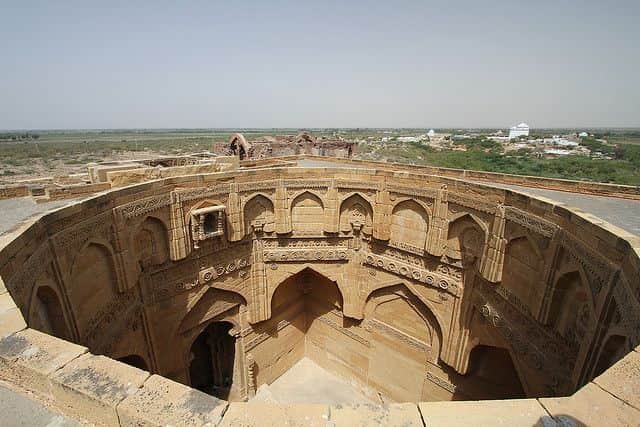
{"type": "Point", "coordinates": [591, 406]}
{"type": "Point", "coordinates": [401, 414]}
{"type": "Point", "coordinates": [163, 402]}
{"type": "Point", "coordinates": [28, 358]}
{"type": "Point", "coordinates": [490, 413]}
{"type": "Point", "coordinates": [623, 379]}
{"type": "Point", "coordinates": [91, 387]}
{"type": "Point", "coordinates": [11, 321]}
{"type": "Point", "coordinates": [275, 415]}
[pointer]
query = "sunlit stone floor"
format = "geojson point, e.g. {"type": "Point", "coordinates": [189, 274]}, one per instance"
{"type": "Point", "coordinates": [306, 382]}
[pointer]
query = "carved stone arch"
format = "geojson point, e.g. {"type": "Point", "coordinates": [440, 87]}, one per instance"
{"type": "Point", "coordinates": [210, 305]}
{"type": "Point", "coordinates": [523, 270]}
{"type": "Point", "coordinates": [103, 243]}
{"type": "Point", "coordinates": [422, 204]}
{"type": "Point", "coordinates": [313, 192]}
{"type": "Point", "coordinates": [410, 223]}
{"type": "Point", "coordinates": [570, 308]}
{"type": "Point", "coordinates": [614, 347]}
{"type": "Point", "coordinates": [307, 213]}
{"type": "Point", "coordinates": [238, 145]}
{"type": "Point", "coordinates": [315, 269]}
{"type": "Point", "coordinates": [258, 212]}
{"type": "Point", "coordinates": [466, 238]}
{"type": "Point", "coordinates": [46, 310]}
{"type": "Point", "coordinates": [517, 386]}
{"type": "Point", "coordinates": [356, 212]}
{"type": "Point", "coordinates": [150, 242]}
{"type": "Point", "coordinates": [440, 321]}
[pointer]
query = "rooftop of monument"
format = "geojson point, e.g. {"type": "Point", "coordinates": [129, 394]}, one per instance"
{"type": "Point", "coordinates": [122, 395]}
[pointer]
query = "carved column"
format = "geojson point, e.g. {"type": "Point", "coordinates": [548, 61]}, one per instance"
{"type": "Point", "coordinates": [259, 307]}
{"type": "Point", "coordinates": [179, 246]}
{"type": "Point", "coordinates": [493, 259]}
{"type": "Point", "coordinates": [282, 213]}
{"type": "Point", "coordinates": [251, 376]}
{"type": "Point", "coordinates": [382, 216]}
{"type": "Point", "coordinates": [331, 210]}
{"type": "Point", "coordinates": [235, 224]}
{"type": "Point", "coordinates": [124, 262]}
{"type": "Point", "coordinates": [438, 228]}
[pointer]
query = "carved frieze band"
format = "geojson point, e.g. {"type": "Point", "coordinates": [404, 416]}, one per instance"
{"type": "Point", "coordinates": [75, 236]}
{"type": "Point", "coordinates": [35, 265]}
{"type": "Point", "coordinates": [412, 191]}
{"type": "Point", "coordinates": [441, 382]}
{"type": "Point", "coordinates": [187, 194]}
{"type": "Point", "coordinates": [399, 335]}
{"type": "Point", "coordinates": [327, 320]}
{"type": "Point", "coordinates": [530, 222]}
{"type": "Point", "coordinates": [429, 278]}
{"type": "Point", "coordinates": [282, 255]}
{"type": "Point", "coordinates": [144, 206]}
{"type": "Point", "coordinates": [472, 202]}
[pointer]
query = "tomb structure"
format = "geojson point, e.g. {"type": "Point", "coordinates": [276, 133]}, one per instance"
{"type": "Point", "coordinates": [414, 287]}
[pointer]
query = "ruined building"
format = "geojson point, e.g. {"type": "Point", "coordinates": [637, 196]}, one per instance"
{"type": "Point", "coordinates": [284, 145]}
{"type": "Point", "coordinates": [413, 286]}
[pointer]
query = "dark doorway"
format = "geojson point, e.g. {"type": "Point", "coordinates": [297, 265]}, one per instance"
{"type": "Point", "coordinates": [212, 359]}
{"type": "Point", "coordinates": [51, 315]}
{"type": "Point", "coordinates": [135, 361]}
{"type": "Point", "coordinates": [612, 351]}
{"type": "Point", "coordinates": [494, 374]}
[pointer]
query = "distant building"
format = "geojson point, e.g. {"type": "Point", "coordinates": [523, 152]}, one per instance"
{"type": "Point", "coordinates": [431, 133]}
{"type": "Point", "coordinates": [583, 134]}
{"type": "Point", "coordinates": [520, 130]}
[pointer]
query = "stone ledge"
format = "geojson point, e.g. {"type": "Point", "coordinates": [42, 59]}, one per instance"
{"type": "Point", "coordinates": [29, 357]}
{"type": "Point", "coordinates": [623, 379]}
{"type": "Point", "coordinates": [489, 413]}
{"type": "Point", "coordinates": [275, 415]}
{"type": "Point", "coordinates": [591, 406]}
{"type": "Point", "coordinates": [11, 321]}
{"type": "Point", "coordinates": [394, 415]}
{"type": "Point", "coordinates": [161, 402]}
{"type": "Point", "coordinates": [91, 387]}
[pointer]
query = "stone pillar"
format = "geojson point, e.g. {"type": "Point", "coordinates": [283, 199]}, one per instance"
{"type": "Point", "coordinates": [235, 224]}
{"type": "Point", "coordinates": [382, 216]}
{"type": "Point", "coordinates": [125, 264]}
{"type": "Point", "coordinates": [439, 225]}
{"type": "Point", "coordinates": [251, 376]}
{"type": "Point", "coordinates": [493, 254]}
{"type": "Point", "coordinates": [282, 212]}
{"type": "Point", "coordinates": [179, 244]}
{"type": "Point", "coordinates": [259, 307]}
{"type": "Point", "coordinates": [331, 210]}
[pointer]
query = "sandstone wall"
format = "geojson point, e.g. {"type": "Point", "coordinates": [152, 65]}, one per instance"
{"type": "Point", "coordinates": [463, 275]}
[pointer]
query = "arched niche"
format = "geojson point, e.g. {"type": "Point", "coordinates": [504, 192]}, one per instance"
{"type": "Point", "coordinates": [356, 213]}
{"type": "Point", "coordinates": [569, 301]}
{"type": "Point", "coordinates": [210, 305]}
{"type": "Point", "coordinates": [405, 341]}
{"type": "Point", "coordinates": [317, 293]}
{"type": "Point", "coordinates": [307, 214]}
{"type": "Point", "coordinates": [466, 239]}
{"type": "Point", "coordinates": [409, 224]}
{"type": "Point", "coordinates": [151, 243]}
{"type": "Point", "coordinates": [614, 349]}
{"type": "Point", "coordinates": [134, 360]}
{"type": "Point", "coordinates": [46, 312]}
{"type": "Point", "coordinates": [212, 360]}
{"type": "Point", "coordinates": [523, 270]}
{"type": "Point", "coordinates": [259, 215]}
{"type": "Point", "coordinates": [93, 282]}
{"type": "Point", "coordinates": [492, 374]}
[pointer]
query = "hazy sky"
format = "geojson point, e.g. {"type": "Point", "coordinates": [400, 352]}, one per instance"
{"type": "Point", "coordinates": [110, 64]}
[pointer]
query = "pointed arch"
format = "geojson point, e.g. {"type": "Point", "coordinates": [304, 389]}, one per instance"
{"type": "Point", "coordinates": [151, 242]}
{"type": "Point", "coordinates": [258, 211]}
{"type": "Point", "coordinates": [211, 304]}
{"type": "Point", "coordinates": [409, 224]}
{"type": "Point", "coordinates": [569, 297]}
{"type": "Point", "coordinates": [356, 211]}
{"type": "Point", "coordinates": [522, 271]}
{"type": "Point", "coordinates": [46, 312]}
{"type": "Point", "coordinates": [466, 237]}
{"type": "Point", "coordinates": [307, 214]}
